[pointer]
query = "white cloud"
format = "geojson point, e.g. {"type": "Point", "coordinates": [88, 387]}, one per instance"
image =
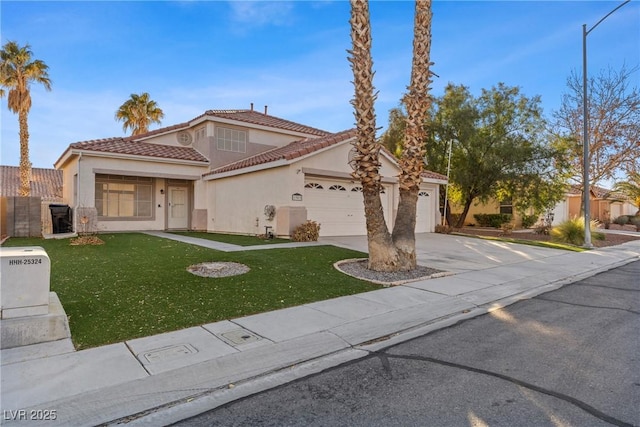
{"type": "Point", "coordinates": [261, 13]}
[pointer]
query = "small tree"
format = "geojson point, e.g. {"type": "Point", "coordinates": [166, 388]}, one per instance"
{"type": "Point", "coordinates": [631, 188]}
{"type": "Point", "coordinates": [138, 112]}
{"type": "Point", "coordinates": [614, 123]}
{"type": "Point", "coordinates": [500, 148]}
{"type": "Point", "coordinates": [17, 71]}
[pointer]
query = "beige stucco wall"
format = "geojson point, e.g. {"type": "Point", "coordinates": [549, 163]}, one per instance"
{"type": "Point", "coordinates": [336, 158]}
{"type": "Point", "coordinates": [166, 139]}
{"type": "Point", "coordinates": [259, 136]}
{"type": "Point", "coordinates": [492, 206]}
{"type": "Point", "coordinates": [236, 204]}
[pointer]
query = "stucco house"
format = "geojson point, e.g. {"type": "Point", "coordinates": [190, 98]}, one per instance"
{"type": "Point", "coordinates": [229, 171]}
{"type": "Point", "coordinates": [16, 213]}
{"type": "Point", "coordinates": [603, 203]}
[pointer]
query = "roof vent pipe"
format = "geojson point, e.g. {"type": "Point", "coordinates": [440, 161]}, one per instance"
{"type": "Point", "coordinates": [265, 110]}
{"type": "Point", "coordinates": [252, 106]}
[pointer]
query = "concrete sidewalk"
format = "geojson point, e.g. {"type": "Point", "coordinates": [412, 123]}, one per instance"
{"type": "Point", "coordinates": [164, 378]}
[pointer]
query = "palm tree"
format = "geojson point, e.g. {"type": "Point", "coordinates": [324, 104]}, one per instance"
{"type": "Point", "coordinates": [389, 252]}
{"type": "Point", "coordinates": [630, 188]}
{"type": "Point", "coordinates": [417, 102]}
{"type": "Point", "coordinates": [17, 71]}
{"type": "Point", "coordinates": [138, 112]}
{"type": "Point", "coordinates": [382, 253]}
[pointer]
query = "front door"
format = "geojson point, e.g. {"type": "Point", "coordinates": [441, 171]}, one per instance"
{"type": "Point", "coordinates": [178, 217]}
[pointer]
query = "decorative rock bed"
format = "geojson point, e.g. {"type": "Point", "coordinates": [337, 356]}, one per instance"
{"type": "Point", "coordinates": [217, 269]}
{"type": "Point", "coordinates": [358, 268]}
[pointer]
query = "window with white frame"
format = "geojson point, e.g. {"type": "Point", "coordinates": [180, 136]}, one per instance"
{"type": "Point", "coordinates": [124, 196]}
{"type": "Point", "coordinates": [228, 139]}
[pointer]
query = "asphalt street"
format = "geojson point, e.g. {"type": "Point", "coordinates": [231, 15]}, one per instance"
{"type": "Point", "coordinates": [570, 357]}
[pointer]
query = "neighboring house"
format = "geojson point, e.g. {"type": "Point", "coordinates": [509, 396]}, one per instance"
{"type": "Point", "coordinates": [222, 171]}
{"type": "Point", "coordinates": [492, 206]}
{"type": "Point", "coordinates": [604, 205]}
{"type": "Point", "coordinates": [45, 184]}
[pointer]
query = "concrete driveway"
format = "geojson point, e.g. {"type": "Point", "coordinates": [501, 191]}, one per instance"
{"type": "Point", "coordinates": [458, 254]}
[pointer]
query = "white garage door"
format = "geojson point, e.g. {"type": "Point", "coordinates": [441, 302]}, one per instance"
{"type": "Point", "coordinates": [424, 211]}
{"type": "Point", "coordinates": [338, 207]}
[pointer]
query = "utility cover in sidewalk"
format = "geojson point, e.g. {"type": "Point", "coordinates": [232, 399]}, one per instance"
{"type": "Point", "coordinates": [169, 353]}
{"type": "Point", "coordinates": [239, 337]}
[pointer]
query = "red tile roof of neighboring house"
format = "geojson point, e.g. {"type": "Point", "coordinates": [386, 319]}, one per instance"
{"type": "Point", "coordinates": [288, 152]}
{"type": "Point", "coordinates": [135, 148]}
{"type": "Point", "coordinates": [433, 175]}
{"type": "Point", "coordinates": [45, 183]}
{"type": "Point", "coordinates": [599, 192]}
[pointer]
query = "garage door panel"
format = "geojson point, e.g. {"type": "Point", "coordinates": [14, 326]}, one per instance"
{"type": "Point", "coordinates": [340, 213]}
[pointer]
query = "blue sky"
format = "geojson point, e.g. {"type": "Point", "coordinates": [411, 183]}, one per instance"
{"type": "Point", "coordinates": [192, 56]}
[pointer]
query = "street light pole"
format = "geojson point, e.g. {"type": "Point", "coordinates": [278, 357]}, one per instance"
{"type": "Point", "coordinates": [585, 128]}
{"type": "Point", "coordinates": [446, 190]}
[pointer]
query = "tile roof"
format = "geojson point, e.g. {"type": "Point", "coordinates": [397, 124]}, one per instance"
{"type": "Point", "coordinates": [298, 149]}
{"type": "Point", "coordinates": [599, 192]}
{"type": "Point", "coordinates": [288, 152]}
{"type": "Point", "coordinates": [160, 131]}
{"type": "Point", "coordinates": [131, 147]}
{"type": "Point", "coordinates": [45, 183]}
{"type": "Point", "coordinates": [254, 117]}
{"type": "Point", "coordinates": [246, 116]}
{"type": "Point", "coordinates": [433, 175]}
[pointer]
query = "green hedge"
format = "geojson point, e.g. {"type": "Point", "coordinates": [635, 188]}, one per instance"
{"type": "Point", "coordinates": [529, 220]}
{"type": "Point", "coordinates": [492, 220]}
{"type": "Point", "coordinates": [621, 220]}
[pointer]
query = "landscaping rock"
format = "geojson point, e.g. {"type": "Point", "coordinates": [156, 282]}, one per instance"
{"type": "Point", "coordinates": [218, 269]}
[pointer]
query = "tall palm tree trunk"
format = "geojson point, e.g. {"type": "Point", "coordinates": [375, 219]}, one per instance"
{"type": "Point", "coordinates": [417, 102]}
{"type": "Point", "coordinates": [382, 253]}
{"type": "Point", "coordinates": [25, 164]}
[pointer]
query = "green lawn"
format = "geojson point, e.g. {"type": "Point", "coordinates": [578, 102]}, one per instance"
{"type": "Point", "coordinates": [233, 239]}
{"type": "Point", "coordinates": [137, 285]}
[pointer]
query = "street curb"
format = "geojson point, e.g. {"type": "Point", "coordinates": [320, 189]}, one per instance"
{"type": "Point", "coordinates": [180, 410]}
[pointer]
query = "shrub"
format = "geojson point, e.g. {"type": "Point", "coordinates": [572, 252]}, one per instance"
{"type": "Point", "coordinates": [621, 220]}
{"type": "Point", "coordinates": [307, 232]}
{"type": "Point", "coordinates": [572, 231]}
{"type": "Point", "coordinates": [529, 220]}
{"type": "Point", "coordinates": [506, 228]}
{"type": "Point", "coordinates": [492, 220]}
{"type": "Point", "coordinates": [635, 220]}
{"type": "Point", "coordinates": [542, 228]}
{"type": "Point", "coordinates": [443, 229]}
